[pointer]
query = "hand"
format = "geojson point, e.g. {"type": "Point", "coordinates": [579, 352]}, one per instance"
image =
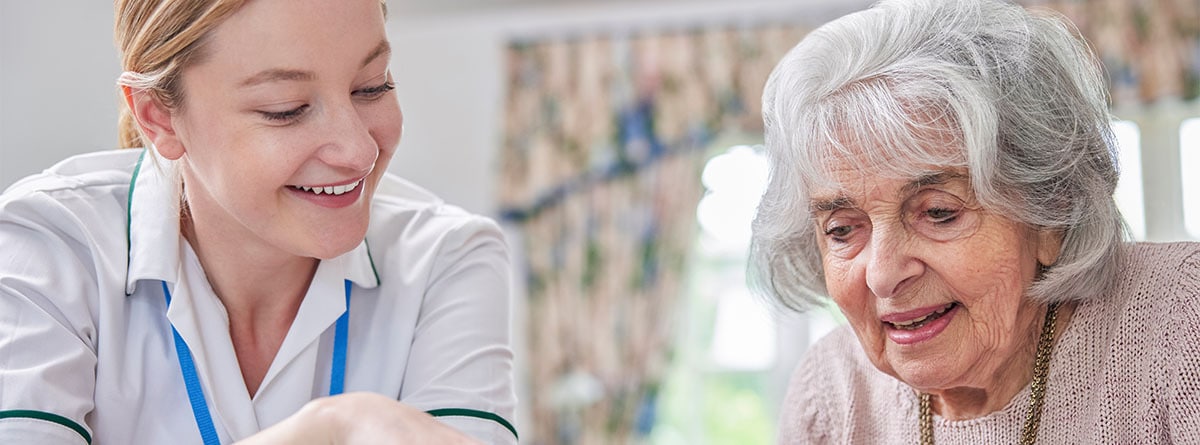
{"type": "Point", "coordinates": [358, 419]}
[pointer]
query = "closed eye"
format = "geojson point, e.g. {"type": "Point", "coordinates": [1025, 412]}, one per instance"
{"type": "Point", "coordinates": [284, 116]}
{"type": "Point", "coordinates": [941, 215]}
{"type": "Point", "coordinates": [374, 92]}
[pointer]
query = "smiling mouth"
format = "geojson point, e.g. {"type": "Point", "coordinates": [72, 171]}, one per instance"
{"type": "Point", "coordinates": [922, 321]}
{"type": "Point", "coordinates": [329, 189]}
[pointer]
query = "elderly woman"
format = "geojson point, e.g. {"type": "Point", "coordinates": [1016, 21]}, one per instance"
{"type": "Point", "coordinates": [943, 170]}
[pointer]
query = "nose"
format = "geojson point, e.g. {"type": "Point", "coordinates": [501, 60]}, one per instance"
{"type": "Point", "coordinates": [892, 266]}
{"type": "Point", "coordinates": [348, 141]}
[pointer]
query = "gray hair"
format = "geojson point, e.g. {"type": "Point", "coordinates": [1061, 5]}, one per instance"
{"type": "Point", "coordinates": [1019, 94]}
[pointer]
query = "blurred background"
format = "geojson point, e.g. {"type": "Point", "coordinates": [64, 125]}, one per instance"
{"type": "Point", "coordinates": [618, 143]}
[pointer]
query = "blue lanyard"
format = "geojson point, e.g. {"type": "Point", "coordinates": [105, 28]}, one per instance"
{"type": "Point", "coordinates": [337, 375]}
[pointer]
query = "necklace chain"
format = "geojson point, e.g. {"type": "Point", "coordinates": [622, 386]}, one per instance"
{"type": "Point", "coordinates": [1041, 367]}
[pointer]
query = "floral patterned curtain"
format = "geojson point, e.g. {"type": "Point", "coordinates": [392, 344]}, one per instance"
{"type": "Point", "coordinates": [605, 140]}
{"type": "Point", "coordinates": [1150, 48]}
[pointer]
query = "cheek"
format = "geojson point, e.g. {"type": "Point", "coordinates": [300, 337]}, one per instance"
{"type": "Point", "coordinates": [842, 277]}
{"type": "Point", "coordinates": [847, 287]}
{"type": "Point", "coordinates": [386, 124]}
{"type": "Point", "coordinates": [993, 297]}
{"type": "Point", "coordinates": [999, 283]}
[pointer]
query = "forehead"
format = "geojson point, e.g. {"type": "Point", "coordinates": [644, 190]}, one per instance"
{"type": "Point", "coordinates": [850, 184]}
{"type": "Point", "coordinates": [877, 127]}
{"type": "Point", "coordinates": [862, 157]}
{"type": "Point", "coordinates": [296, 34]}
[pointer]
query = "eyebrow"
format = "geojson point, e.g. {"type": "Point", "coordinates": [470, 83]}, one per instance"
{"type": "Point", "coordinates": [929, 179]}
{"type": "Point", "coordinates": [277, 75]}
{"type": "Point", "coordinates": [281, 74]}
{"type": "Point", "coordinates": [829, 205]}
{"type": "Point", "coordinates": [844, 202]}
{"type": "Point", "coordinates": [382, 48]}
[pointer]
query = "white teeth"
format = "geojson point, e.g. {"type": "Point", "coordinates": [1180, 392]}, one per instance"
{"type": "Point", "coordinates": [330, 189]}
{"type": "Point", "coordinates": [903, 324]}
{"type": "Point", "coordinates": [909, 323]}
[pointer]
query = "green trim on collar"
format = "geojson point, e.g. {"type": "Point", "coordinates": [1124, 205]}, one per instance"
{"type": "Point", "coordinates": [378, 282]}
{"type": "Point", "coordinates": [129, 217]}
{"type": "Point", "coordinates": [464, 412]}
{"type": "Point", "coordinates": [49, 417]}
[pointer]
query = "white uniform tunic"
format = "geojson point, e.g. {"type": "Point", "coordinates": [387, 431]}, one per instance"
{"type": "Point", "coordinates": [86, 349]}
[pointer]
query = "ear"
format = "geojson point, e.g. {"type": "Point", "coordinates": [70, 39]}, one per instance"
{"type": "Point", "coordinates": [155, 121]}
{"type": "Point", "coordinates": [1049, 245]}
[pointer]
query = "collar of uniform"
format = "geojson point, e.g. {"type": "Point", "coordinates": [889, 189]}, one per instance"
{"type": "Point", "coordinates": [153, 231]}
{"type": "Point", "coordinates": [152, 224]}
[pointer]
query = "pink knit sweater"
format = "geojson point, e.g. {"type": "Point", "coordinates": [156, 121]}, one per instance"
{"type": "Point", "coordinates": [1125, 371]}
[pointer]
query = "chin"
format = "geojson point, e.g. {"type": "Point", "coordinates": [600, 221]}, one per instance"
{"type": "Point", "coordinates": [930, 379]}
{"type": "Point", "coordinates": [335, 243]}
{"type": "Point", "coordinates": [331, 252]}
{"type": "Point", "coordinates": [922, 375]}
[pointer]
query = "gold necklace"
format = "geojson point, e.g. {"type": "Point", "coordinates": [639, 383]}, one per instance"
{"type": "Point", "coordinates": [1041, 366]}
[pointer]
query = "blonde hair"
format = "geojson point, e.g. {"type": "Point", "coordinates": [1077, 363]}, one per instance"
{"type": "Point", "coordinates": [157, 40]}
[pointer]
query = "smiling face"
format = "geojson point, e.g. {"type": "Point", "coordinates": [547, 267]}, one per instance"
{"type": "Point", "coordinates": [932, 284]}
{"type": "Point", "coordinates": [287, 124]}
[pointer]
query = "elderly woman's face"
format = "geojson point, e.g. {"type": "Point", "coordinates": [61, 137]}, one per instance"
{"type": "Point", "coordinates": [932, 284]}
{"type": "Point", "coordinates": [288, 122]}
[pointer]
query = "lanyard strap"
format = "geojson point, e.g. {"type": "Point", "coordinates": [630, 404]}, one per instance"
{"type": "Point", "coordinates": [337, 375]}
{"type": "Point", "coordinates": [195, 392]}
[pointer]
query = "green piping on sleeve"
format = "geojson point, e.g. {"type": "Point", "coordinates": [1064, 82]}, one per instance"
{"type": "Point", "coordinates": [476, 414]}
{"type": "Point", "coordinates": [53, 418]}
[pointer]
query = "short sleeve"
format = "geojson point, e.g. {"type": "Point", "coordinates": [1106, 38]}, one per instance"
{"type": "Point", "coordinates": [463, 361]}
{"type": "Point", "coordinates": [47, 353]}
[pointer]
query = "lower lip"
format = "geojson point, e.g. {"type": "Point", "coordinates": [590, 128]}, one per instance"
{"type": "Point", "coordinates": [926, 332]}
{"type": "Point", "coordinates": [330, 201]}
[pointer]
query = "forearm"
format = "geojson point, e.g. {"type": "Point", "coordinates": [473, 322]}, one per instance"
{"type": "Point", "coordinates": [358, 418]}
{"type": "Point", "coordinates": [314, 424]}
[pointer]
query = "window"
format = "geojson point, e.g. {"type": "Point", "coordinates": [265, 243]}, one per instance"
{"type": "Point", "coordinates": [1129, 194]}
{"type": "Point", "coordinates": [1189, 164]}
{"type": "Point", "coordinates": [734, 354]}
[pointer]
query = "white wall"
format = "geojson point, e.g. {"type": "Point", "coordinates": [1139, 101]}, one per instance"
{"type": "Point", "coordinates": [58, 66]}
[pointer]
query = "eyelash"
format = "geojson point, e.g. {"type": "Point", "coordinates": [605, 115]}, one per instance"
{"type": "Point", "coordinates": [949, 215]}
{"type": "Point", "coordinates": [284, 115]}
{"type": "Point", "coordinates": [370, 93]}
{"type": "Point", "coordinates": [376, 91]}
{"type": "Point", "coordinates": [838, 237]}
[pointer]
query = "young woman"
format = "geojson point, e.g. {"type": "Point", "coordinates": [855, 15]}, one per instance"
{"type": "Point", "coordinates": [253, 274]}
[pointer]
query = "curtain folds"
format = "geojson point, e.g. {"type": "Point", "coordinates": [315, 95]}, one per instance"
{"type": "Point", "coordinates": [604, 143]}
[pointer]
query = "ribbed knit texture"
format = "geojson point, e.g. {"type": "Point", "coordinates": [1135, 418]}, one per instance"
{"type": "Point", "coordinates": [1126, 370]}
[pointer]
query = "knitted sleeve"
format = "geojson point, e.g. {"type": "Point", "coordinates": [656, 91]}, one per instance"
{"type": "Point", "coordinates": [807, 415]}
{"type": "Point", "coordinates": [1183, 356]}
